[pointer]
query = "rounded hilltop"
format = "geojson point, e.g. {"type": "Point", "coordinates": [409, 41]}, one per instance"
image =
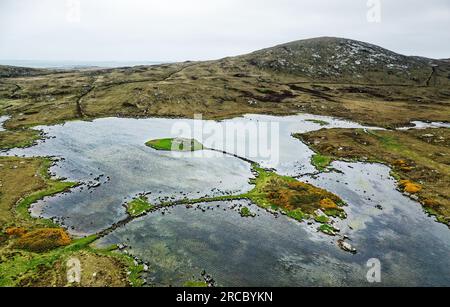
{"type": "Point", "coordinates": [333, 58]}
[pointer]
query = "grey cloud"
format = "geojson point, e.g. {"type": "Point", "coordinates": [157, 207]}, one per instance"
{"type": "Point", "coordinates": [203, 29]}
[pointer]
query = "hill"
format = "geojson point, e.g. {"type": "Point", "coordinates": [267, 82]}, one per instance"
{"type": "Point", "coordinates": [327, 76]}
{"type": "Point", "coordinates": [344, 60]}
{"type": "Point", "coordinates": [7, 71]}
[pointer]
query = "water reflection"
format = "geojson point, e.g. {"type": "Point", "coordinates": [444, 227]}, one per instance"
{"type": "Point", "coordinates": [263, 251]}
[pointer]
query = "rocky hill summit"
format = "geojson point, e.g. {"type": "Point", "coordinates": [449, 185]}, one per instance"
{"type": "Point", "coordinates": [346, 60]}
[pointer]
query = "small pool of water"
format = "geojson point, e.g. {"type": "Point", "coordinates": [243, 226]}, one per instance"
{"type": "Point", "coordinates": [424, 125]}
{"type": "Point", "coordinates": [2, 120]}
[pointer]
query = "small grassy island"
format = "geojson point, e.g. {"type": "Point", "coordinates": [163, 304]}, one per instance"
{"type": "Point", "coordinates": [139, 206]}
{"type": "Point", "coordinates": [321, 162]}
{"type": "Point", "coordinates": [175, 144]}
{"type": "Point", "coordinates": [245, 212]}
{"type": "Point", "coordinates": [296, 199]}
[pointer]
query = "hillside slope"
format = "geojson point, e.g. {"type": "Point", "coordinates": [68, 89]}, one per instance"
{"type": "Point", "coordinates": [7, 71]}
{"type": "Point", "coordinates": [345, 60]}
{"type": "Point", "coordinates": [328, 76]}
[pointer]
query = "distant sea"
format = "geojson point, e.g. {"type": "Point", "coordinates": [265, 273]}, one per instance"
{"type": "Point", "coordinates": [76, 64]}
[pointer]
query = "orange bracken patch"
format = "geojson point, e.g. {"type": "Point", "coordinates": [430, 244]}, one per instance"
{"type": "Point", "coordinates": [410, 187]}
{"type": "Point", "coordinates": [327, 203]}
{"type": "Point", "coordinates": [43, 239]}
{"type": "Point", "coordinates": [15, 231]}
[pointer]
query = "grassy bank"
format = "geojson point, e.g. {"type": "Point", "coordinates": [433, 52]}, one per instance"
{"type": "Point", "coordinates": [419, 159]}
{"type": "Point", "coordinates": [34, 252]}
{"type": "Point", "coordinates": [18, 138]}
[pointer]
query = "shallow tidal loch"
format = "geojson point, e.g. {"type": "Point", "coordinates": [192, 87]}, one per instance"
{"type": "Point", "coordinates": [110, 159]}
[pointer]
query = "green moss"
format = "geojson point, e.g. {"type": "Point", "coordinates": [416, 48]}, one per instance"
{"type": "Point", "coordinates": [328, 229]}
{"type": "Point", "coordinates": [135, 277]}
{"type": "Point", "coordinates": [321, 162]}
{"type": "Point", "coordinates": [336, 213]}
{"type": "Point", "coordinates": [395, 175]}
{"type": "Point", "coordinates": [175, 144]}
{"type": "Point", "coordinates": [245, 212]}
{"type": "Point", "coordinates": [321, 219]}
{"type": "Point", "coordinates": [439, 218]}
{"type": "Point", "coordinates": [138, 206]}
{"type": "Point", "coordinates": [297, 214]}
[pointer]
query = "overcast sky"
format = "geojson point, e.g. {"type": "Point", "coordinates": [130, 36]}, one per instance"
{"type": "Point", "coordinates": [176, 30]}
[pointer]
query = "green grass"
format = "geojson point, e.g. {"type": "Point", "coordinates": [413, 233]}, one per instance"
{"type": "Point", "coordinates": [245, 212]}
{"type": "Point", "coordinates": [327, 229]}
{"type": "Point", "coordinates": [18, 265]}
{"type": "Point", "coordinates": [336, 213]}
{"type": "Point", "coordinates": [52, 187]}
{"type": "Point", "coordinates": [175, 144]}
{"type": "Point", "coordinates": [321, 219]}
{"type": "Point", "coordinates": [24, 264]}
{"type": "Point", "coordinates": [318, 121]}
{"type": "Point", "coordinates": [258, 195]}
{"type": "Point", "coordinates": [160, 144]}
{"type": "Point", "coordinates": [139, 206]}
{"type": "Point", "coordinates": [387, 141]}
{"type": "Point", "coordinates": [321, 162]}
{"type": "Point", "coordinates": [431, 212]}
{"type": "Point", "coordinates": [18, 138]}
{"type": "Point", "coordinates": [297, 214]}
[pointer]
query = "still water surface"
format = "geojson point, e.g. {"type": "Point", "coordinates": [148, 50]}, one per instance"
{"type": "Point", "coordinates": [179, 243]}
